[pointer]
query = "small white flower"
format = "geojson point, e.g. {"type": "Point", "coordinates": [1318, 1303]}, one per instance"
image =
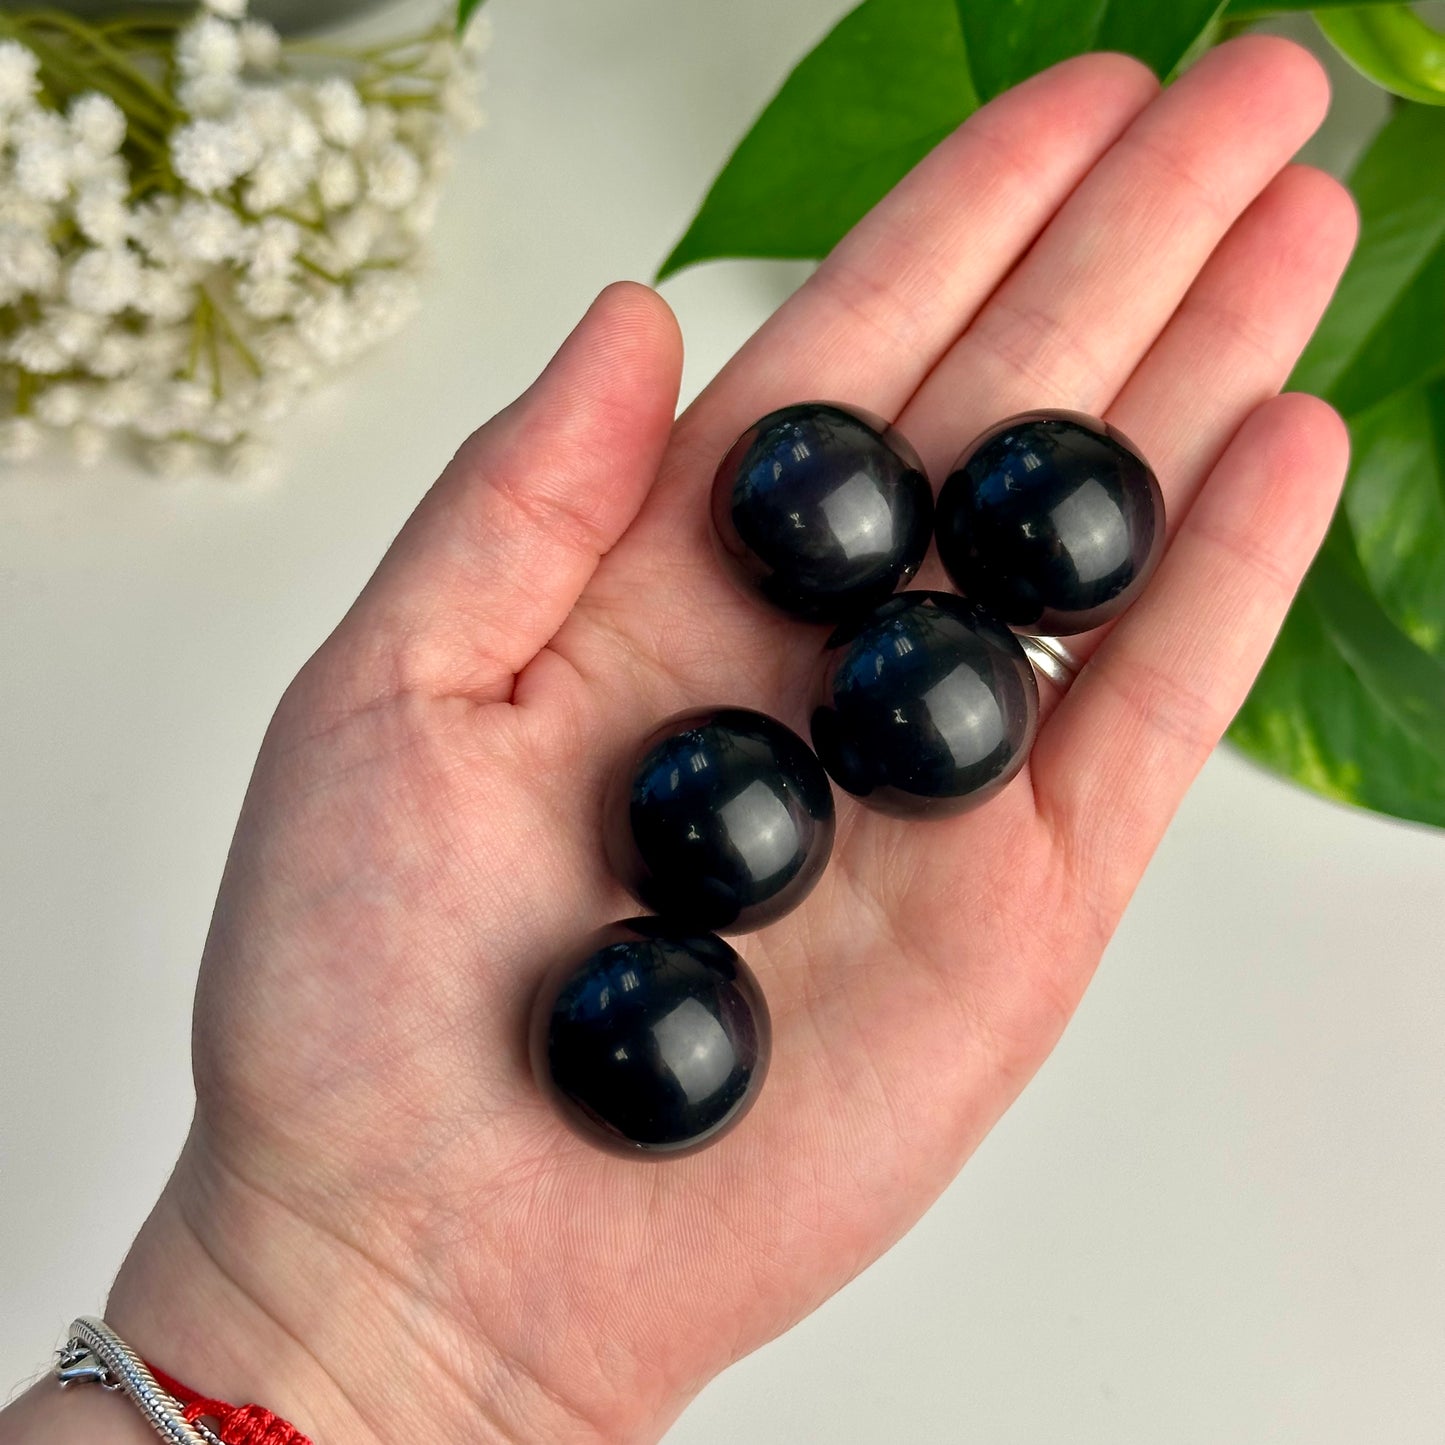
{"type": "Point", "coordinates": [355, 236]}
{"type": "Point", "coordinates": [340, 110]}
{"type": "Point", "coordinates": [477, 37]}
{"type": "Point", "coordinates": [75, 331]}
{"type": "Point", "coordinates": [210, 155]}
{"type": "Point", "coordinates": [384, 302]}
{"type": "Point", "coordinates": [35, 349]}
{"type": "Point", "coordinates": [20, 438]}
{"type": "Point", "coordinates": [101, 212]}
{"type": "Point", "coordinates": [104, 281]}
{"type": "Point", "coordinates": [25, 213]}
{"type": "Point", "coordinates": [423, 130]}
{"type": "Point", "coordinates": [208, 46]}
{"type": "Point", "coordinates": [37, 124]}
{"type": "Point", "coordinates": [29, 264]}
{"type": "Point", "coordinates": [278, 179]}
{"type": "Point", "coordinates": [270, 248]}
{"type": "Point", "coordinates": [61, 405]}
{"type": "Point", "coordinates": [380, 126]}
{"type": "Point", "coordinates": [114, 355]}
{"type": "Point", "coordinates": [174, 459]}
{"type": "Point", "coordinates": [119, 403]}
{"type": "Point", "coordinates": [98, 123]}
{"type": "Point", "coordinates": [328, 326]}
{"type": "Point", "coordinates": [420, 217]}
{"type": "Point", "coordinates": [207, 232]}
{"type": "Point", "coordinates": [393, 177]}
{"type": "Point", "coordinates": [338, 180]}
{"type": "Point", "coordinates": [227, 9]}
{"type": "Point", "coordinates": [88, 443]}
{"type": "Point", "coordinates": [290, 367]}
{"type": "Point", "coordinates": [152, 229]}
{"type": "Point", "coordinates": [268, 297]}
{"type": "Point", "coordinates": [176, 406]}
{"type": "Point", "coordinates": [442, 57]}
{"type": "Point", "coordinates": [458, 96]}
{"type": "Point", "coordinates": [164, 297]}
{"type": "Point", "coordinates": [164, 350]}
{"type": "Point", "coordinates": [252, 461]}
{"type": "Point", "coordinates": [225, 420]}
{"type": "Point", "coordinates": [43, 164]}
{"type": "Point", "coordinates": [268, 112]}
{"type": "Point", "coordinates": [260, 45]}
{"type": "Point", "coordinates": [208, 95]}
{"type": "Point", "coordinates": [19, 75]}
{"type": "Point", "coordinates": [301, 140]}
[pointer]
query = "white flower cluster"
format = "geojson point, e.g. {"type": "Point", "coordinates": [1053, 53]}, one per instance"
{"type": "Point", "coordinates": [185, 252]}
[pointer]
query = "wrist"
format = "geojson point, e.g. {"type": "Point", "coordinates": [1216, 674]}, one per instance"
{"type": "Point", "coordinates": [239, 1298]}
{"type": "Point", "coordinates": [177, 1306]}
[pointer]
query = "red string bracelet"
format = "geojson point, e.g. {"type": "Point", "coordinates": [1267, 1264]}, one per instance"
{"type": "Point", "coordinates": [234, 1424]}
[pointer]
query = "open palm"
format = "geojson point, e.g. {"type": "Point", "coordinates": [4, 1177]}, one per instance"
{"type": "Point", "coordinates": [422, 834]}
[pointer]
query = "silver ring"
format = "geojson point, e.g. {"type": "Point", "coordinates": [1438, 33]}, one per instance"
{"type": "Point", "coordinates": [1051, 658]}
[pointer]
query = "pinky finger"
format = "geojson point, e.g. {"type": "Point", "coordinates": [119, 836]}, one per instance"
{"type": "Point", "coordinates": [1117, 755]}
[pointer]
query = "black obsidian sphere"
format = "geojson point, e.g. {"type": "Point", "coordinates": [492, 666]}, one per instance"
{"type": "Point", "coordinates": [721, 819]}
{"type": "Point", "coordinates": [822, 509]}
{"type": "Point", "coordinates": [927, 706]}
{"type": "Point", "coordinates": [651, 1040]}
{"type": "Point", "coordinates": [1052, 520]}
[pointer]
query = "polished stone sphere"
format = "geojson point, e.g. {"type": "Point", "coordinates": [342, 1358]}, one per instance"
{"type": "Point", "coordinates": [651, 1039]}
{"type": "Point", "coordinates": [1052, 520]}
{"type": "Point", "coordinates": [721, 819]}
{"type": "Point", "coordinates": [926, 707]}
{"type": "Point", "coordinates": [822, 509]}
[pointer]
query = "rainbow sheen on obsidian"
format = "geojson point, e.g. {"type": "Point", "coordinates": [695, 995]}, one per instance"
{"type": "Point", "coordinates": [1052, 520]}
{"type": "Point", "coordinates": [821, 509]}
{"type": "Point", "coordinates": [722, 818]}
{"type": "Point", "coordinates": [651, 1040]}
{"type": "Point", "coordinates": [926, 707]}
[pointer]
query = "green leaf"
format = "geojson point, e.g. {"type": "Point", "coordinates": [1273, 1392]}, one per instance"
{"type": "Point", "coordinates": [1346, 704]}
{"type": "Point", "coordinates": [1386, 329]}
{"type": "Point", "coordinates": [1393, 46]}
{"type": "Point", "coordinates": [465, 10]}
{"type": "Point", "coordinates": [1396, 507]}
{"type": "Point", "coordinates": [1010, 40]}
{"type": "Point", "coordinates": [1352, 700]}
{"type": "Point", "coordinates": [1256, 9]}
{"type": "Point", "coordinates": [874, 97]}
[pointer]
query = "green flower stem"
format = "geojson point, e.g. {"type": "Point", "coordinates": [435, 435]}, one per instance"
{"type": "Point", "coordinates": [233, 335]}
{"type": "Point", "coordinates": [89, 35]}
{"type": "Point", "coordinates": [404, 101]}
{"type": "Point", "coordinates": [24, 391]}
{"type": "Point", "coordinates": [360, 55]}
{"type": "Point", "coordinates": [307, 223]}
{"type": "Point", "coordinates": [1391, 45]}
{"type": "Point", "coordinates": [213, 349]}
{"type": "Point", "coordinates": [65, 66]}
{"type": "Point", "coordinates": [199, 327]}
{"type": "Point", "coordinates": [316, 269]}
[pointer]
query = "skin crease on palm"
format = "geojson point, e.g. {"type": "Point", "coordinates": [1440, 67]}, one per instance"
{"type": "Point", "coordinates": [378, 1225]}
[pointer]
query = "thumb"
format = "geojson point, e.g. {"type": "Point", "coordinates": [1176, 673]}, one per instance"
{"type": "Point", "coordinates": [499, 550]}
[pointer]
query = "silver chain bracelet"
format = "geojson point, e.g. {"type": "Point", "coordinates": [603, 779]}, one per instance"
{"type": "Point", "coordinates": [95, 1355]}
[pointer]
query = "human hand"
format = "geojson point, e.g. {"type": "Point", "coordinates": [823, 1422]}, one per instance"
{"type": "Point", "coordinates": [378, 1225]}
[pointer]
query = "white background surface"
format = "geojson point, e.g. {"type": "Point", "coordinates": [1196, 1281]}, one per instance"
{"type": "Point", "coordinates": [1217, 1214]}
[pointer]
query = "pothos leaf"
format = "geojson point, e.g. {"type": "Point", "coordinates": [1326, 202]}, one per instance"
{"type": "Point", "coordinates": [1352, 699]}
{"type": "Point", "coordinates": [876, 94]}
{"type": "Point", "coordinates": [1010, 40]}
